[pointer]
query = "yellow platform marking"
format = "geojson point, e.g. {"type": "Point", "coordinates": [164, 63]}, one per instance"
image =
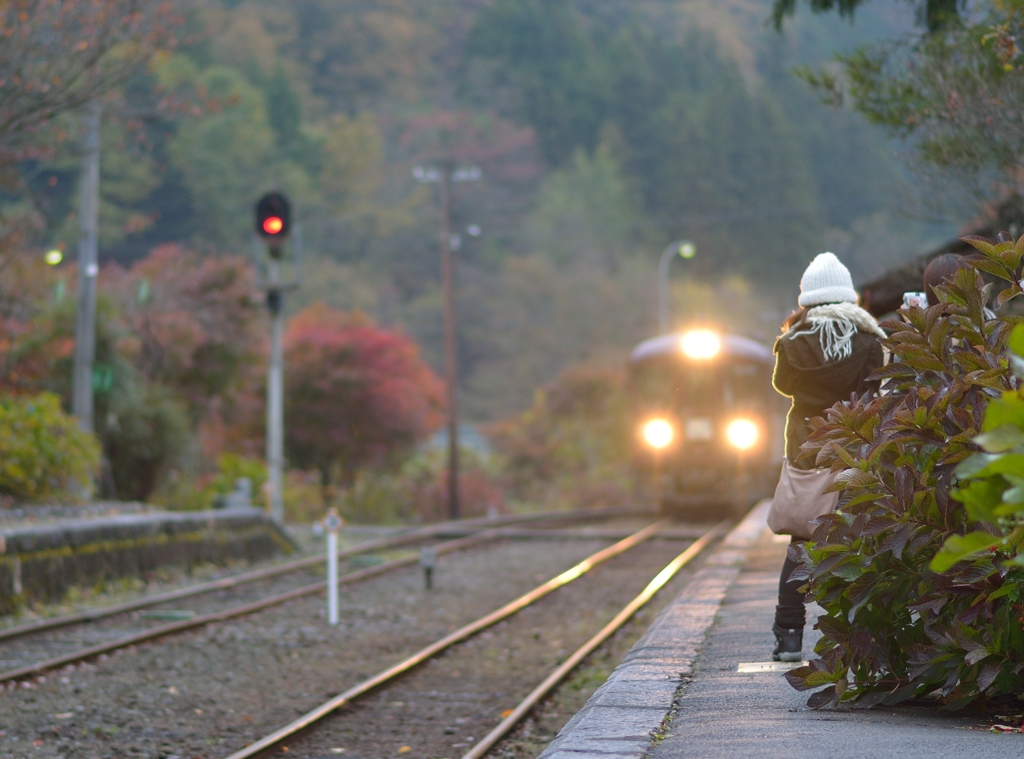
{"type": "Point", "coordinates": [757, 667]}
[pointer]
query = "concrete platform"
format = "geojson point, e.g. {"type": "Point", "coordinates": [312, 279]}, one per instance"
{"type": "Point", "coordinates": [40, 562]}
{"type": "Point", "coordinates": [680, 692]}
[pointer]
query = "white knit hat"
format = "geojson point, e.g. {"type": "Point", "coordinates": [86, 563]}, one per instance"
{"type": "Point", "coordinates": [826, 281]}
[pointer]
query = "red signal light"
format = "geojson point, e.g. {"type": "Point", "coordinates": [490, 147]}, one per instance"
{"type": "Point", "coordinates": [273, 218]}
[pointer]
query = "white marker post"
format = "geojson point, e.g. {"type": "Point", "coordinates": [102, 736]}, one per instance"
{"type": "Point", "coordinates": [332, 523]}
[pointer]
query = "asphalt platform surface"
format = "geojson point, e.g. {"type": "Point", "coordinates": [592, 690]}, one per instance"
{"type": "Point", "coordinates": [718, 711]}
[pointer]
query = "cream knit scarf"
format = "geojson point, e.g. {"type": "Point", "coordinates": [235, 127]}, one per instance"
{"type": "Point", "coordinates": [836, 324]}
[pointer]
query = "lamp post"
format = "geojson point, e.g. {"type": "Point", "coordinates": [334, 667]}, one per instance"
{"type": "Point", "coordinates": [444, 175]}
{"type": "Point", "coordinates": [683, 249]}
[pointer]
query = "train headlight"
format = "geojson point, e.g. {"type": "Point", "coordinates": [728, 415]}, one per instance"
{"type": "Point", "coordinates": [658, 433]}
{"type": "Point", "coordinates": [701, 344]}
{"type": "Point", "coordinates": [742, 434]}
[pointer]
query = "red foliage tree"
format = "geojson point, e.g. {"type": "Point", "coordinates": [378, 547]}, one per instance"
{"type": "Point", "coordinates": [195, 321]}
{"type": "Point", "coordinates": [194, 324]}
{"type": "Point", "coordinates": [355, 394]}
{"type": "Point", "coordinates": [32, 338]}
{"type": "Point", "coordinates": [59, 54]}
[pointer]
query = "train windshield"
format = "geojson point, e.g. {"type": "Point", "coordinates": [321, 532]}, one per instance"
{"type": "Point", "coordinates": [668, 385]}
{"type": "Point", "coordinates": [745, 385]}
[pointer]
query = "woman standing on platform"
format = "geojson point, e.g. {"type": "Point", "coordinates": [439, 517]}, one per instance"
{"type": "Point", "coordinates": [828, 348]}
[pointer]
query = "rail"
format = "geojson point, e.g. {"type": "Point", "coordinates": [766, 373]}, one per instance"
{"type": "Point", "coordinates": [473, 526]}
{"type": "Point", "coordinates": [237, 611]}
{"type": "Point", "coordinates": [435, 648]}
{"type": "Point", "coordinates": [548, 684]}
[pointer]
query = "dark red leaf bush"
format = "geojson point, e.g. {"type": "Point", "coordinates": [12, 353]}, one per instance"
{"type": "Point", "coordinates": [922, 591]}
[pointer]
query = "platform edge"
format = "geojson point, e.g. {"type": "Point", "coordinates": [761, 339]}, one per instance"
{"type": "Point", "coordinates": [620, 720]}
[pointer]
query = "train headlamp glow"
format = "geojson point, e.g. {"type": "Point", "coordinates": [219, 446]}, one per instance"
{"type": "Point", "coordinates": [701, 344]}
{"type": "Point", "coordinates": [658, 433]}
{"type": "Point", "coordinates": [742, 434]}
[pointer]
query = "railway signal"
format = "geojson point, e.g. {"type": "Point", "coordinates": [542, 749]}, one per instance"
{"type": "Point", "coordinates": [273, 220]}
{"type": "Point", "coordinates": [273, 225]}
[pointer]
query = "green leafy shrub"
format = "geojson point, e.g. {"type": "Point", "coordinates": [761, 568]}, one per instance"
{"type": "Point", "coordinates": [231, 467]}
{"type": "Point", "coordinates": [145, 431]}
{"type": "Point", "coordinates": [424, 484]}
{"type": "Point", "coordinates": [906, 615]}
{"type": "Point", "coordinates": [43, 454]}
{"type": "Point", "coordinates": [190, 493]}
{"type": "Point", "coordinates": [572, 447]}
{"type": "Point", "coordinates": [416, 490]}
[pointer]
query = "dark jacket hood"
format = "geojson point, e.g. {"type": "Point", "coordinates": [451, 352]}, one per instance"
{"type": "Point", "coordinates": [802, 374]}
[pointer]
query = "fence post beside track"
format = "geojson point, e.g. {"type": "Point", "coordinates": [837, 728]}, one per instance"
{"type": "Point", "coordinates": [332, 523]}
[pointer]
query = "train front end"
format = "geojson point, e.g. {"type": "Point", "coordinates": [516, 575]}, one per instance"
{"type": "Point", "coordinates": [707, 421]}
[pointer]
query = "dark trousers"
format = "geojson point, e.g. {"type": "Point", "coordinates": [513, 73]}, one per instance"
{"type": "Point", "coordinates": [790, 612]}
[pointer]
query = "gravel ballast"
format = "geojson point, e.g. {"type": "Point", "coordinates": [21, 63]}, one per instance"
{"type": "Point", "coordinates": [208, 693]}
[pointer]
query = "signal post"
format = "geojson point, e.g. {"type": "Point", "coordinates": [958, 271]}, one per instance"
{"type": "Point", "coordinates": [273, 224]}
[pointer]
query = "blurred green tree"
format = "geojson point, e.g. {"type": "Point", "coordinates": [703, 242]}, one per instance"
{"type": "Point", "coordinates": [58, 56]}
{"type": "Point", "coordinates": [573, 444]}
{"type": "Point", "coordinates": [43, 454]}
{"type": "Point", "coordinates": [228, 155]}
{"type": "Point", "coordinates": [953, 93]}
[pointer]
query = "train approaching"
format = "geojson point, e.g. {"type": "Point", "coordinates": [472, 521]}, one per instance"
{"type": "Point", "coordinates": [709, 425]}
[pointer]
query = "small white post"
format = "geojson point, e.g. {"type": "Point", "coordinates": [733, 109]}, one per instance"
{"type": "Point", "coordinates": [332, 523]}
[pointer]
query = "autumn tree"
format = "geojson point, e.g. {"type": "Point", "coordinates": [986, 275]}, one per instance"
{"type": "Point", "coordinates": [953, 90]}
{"type": "Point", "coordinates": [60, 54]}
{"type": "Point", "coordinates": [195, 320]}
{"type": "Point", "coordinates": [355, 394]}
{"type": "Point", "coordinates": [30, 345]}
{"type": "Point", "coordinates": [573, 445]}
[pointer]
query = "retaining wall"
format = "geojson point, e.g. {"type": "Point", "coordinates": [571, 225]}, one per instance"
{"type": "Point", "coordinates": [40, 563]}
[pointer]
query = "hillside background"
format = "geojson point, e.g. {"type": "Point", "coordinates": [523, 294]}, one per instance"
{"type": "Point", "coordinates": [605, 129]}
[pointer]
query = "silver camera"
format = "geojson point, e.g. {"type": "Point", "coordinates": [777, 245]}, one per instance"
{"type": "Point", "coordinates": [915, 300]}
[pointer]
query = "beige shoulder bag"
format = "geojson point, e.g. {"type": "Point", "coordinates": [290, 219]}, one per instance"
{"type": "Point", "coordinates": [799, 500]}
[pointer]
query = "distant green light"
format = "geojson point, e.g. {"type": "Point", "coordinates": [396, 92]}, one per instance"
{"type": "Point", "coordinates": [54, 257]}
{"type": "Point", "coordinates": [687, 250]}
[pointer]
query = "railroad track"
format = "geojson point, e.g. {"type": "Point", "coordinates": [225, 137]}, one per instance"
{"type": "Point", "coordinates": [203, 694]}
{"type": "Point", "coordinates": [303, 724]}
{"type": "Point", "coordinates": [101, 639]}
{"type": "Point", "coordinates": [459, 528]}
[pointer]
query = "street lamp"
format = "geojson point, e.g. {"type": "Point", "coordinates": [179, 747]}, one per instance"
{"type": "Point", "coordinates": [455, 239]}
{"type": "Point", "coordinates": [444, 175]}
{"type": "Point", "coordinates": [683, 249]}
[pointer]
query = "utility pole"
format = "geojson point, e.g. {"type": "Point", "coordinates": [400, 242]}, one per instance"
{"type": "Point", "coordinates": [444, 177]}
{"type": "Point", "coordinates": [450, 347]}
{"type": "Point", "coordinates": [88, 268]}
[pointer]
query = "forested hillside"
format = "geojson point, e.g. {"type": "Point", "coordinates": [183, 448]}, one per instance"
{"type": "Point", "coordinates": [604, 128]}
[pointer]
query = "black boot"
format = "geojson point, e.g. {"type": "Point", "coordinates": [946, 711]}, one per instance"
{"type": "Point", "coordinates": [789, 643]}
